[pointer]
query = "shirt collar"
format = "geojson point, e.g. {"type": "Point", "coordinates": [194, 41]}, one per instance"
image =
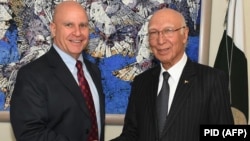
{"type": "Point", "coordinates": [67, 59]}
{"type": "Point", "coordinates": [176, 70]}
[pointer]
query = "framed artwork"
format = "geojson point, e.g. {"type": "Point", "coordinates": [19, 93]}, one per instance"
{"type": "Point", "coordinates": [118, 42]}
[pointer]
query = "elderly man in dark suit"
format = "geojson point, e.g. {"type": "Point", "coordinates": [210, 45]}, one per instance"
{"type": "Point", "coordinates": [197, 94]}
{"type": "Point", "coordinates": [47, 103]}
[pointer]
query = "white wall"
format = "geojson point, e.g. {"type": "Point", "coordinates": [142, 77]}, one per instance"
{"type": "Point", "coordinates": [218, 12]}
{"type": "Point", "coordinates": [6, 132]}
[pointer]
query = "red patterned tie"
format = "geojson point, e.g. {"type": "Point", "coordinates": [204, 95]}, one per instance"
{"type": "Point", "coordinates": [84, 86]}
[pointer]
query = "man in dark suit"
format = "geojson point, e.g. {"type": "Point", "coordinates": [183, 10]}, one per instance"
{"type": "Point", "coordinates": [47, 103]}
{"type": "Point", "coordinates": [198, 94]}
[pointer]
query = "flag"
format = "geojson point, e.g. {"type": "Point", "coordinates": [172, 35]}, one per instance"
{"type": "Point", "coordinates": [231, 57]}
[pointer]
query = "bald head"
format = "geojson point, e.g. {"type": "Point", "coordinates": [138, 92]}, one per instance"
{"type": "Point", "coordinates": [168, 15]}
{"type": "Point", "coordinates": [65, 7]}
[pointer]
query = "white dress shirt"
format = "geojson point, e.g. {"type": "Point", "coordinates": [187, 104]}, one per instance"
{"type": "Point", "coordinates": [175, 73]}
{"type": "Point", "coordinates": [70, 63]}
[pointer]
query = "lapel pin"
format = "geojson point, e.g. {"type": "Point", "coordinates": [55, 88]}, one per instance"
{"type": "Point", "coordinates": [185, 81]}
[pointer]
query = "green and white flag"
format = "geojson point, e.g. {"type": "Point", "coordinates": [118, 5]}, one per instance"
{"type": "Point", "coordinates": [231, 57]}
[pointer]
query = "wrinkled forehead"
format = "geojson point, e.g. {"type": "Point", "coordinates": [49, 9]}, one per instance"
{"type": "Point", "coordinates": [166, 18]}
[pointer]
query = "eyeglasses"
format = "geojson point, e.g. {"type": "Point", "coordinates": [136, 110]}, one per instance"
{"type": "Point", "coordinates": [167, 32]}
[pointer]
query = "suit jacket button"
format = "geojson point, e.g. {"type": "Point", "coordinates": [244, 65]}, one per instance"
{"type": "Point", "coordinates": [87, 131]}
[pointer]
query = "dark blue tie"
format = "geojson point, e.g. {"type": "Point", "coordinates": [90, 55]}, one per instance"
{"type": "Point", "coordinates": [162, 102]}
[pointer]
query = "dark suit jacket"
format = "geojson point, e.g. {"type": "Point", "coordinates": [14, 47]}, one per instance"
{"type": "Point", "coordinates": [47, 104]}
{"type": "Point", "coordinates": [201, 97]}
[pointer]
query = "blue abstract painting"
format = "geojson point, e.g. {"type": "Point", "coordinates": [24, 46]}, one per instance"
{"type": "Point", "coordinates": [118, 41]}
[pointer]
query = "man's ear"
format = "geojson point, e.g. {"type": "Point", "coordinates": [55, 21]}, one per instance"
{"type": "Point", "coordinates": [53, 29]}
{"type": "Point", "coordinates": [186, 30]}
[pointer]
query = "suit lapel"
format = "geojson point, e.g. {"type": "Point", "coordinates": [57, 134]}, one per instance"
{"type": "Point", "coordinates": [65, 77]}
{"type": "Point", "coordinates": [92, 71]}
{"type": "Point", "coordinates": [182, 92]}
{"type": "Point", "coordinates": [153, 96]}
